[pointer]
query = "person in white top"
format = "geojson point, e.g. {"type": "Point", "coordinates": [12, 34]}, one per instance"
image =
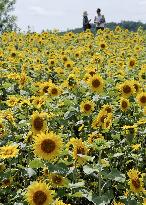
{"type": "Point", "coordinates": [99, 20]}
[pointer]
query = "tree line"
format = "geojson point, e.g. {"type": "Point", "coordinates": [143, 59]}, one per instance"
{"type": "Point", "coordinates": [130, 25]}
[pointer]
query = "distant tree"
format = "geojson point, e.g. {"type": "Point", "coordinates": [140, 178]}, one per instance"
{"type": "Point", "coordinates": [130, 25]}
{"type": "Point", "coordinates": [7, 20]}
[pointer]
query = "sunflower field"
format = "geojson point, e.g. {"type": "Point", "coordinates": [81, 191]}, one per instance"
{"type": "Point", "coordinates": [73, 118]}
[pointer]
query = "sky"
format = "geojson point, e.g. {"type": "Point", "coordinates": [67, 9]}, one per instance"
{"type": "Point", "coordinates": [67, 14]}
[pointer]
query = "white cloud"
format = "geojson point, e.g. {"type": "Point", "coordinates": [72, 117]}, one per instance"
{"type": "Point", "coordinates": [36, 10]}
{"type": "Point", "coordinates": [39, 11]}
{"type": "Point", "coordinates": [142, 2]}
{"type": "Point", "coordinates": [43, 14]}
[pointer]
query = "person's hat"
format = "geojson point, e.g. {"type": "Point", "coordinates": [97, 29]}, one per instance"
{"type": "Point", "coordinates": [85, 13]}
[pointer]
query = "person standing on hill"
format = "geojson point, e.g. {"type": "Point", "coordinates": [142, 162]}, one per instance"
{"type": "Point", "coordinates": [86, 22]}
{"type": "Point", "coordinates": [99, 20]}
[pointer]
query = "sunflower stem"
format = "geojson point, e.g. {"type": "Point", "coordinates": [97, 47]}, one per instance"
{"type": "Point", "coordinates": [99, 180]}
{"type": "Point", "coordinates": [74, 173]}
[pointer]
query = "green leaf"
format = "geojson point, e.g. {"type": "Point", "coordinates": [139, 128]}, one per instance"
{"type": "Point", "coordinates": [77, 194]}
{"type": "Point", "coordinates": [59, 168]}
{"type": "Point", "coordinates": [88, 158]}
{"type": "Point", "coordinates": [132, 202]}
{"type": "Point", "coordinates": [69, 114]}
{"type": "Point", "coordinates": [77, 185]}
{"type": "Point", "coordinates": [116, 175]}
{"type": "Point", "coordinates": [118, 154]}
{"type": "Point", "coordinates": [36, 163]}
{"type": "Point", "coordinates": [99, 200]}
{"type": "Point", "coordinates": [88, 170]}
{"type": "Point", "coordinates": [7, 85]}
{"type": "Point", "coordinates": [103, 200]}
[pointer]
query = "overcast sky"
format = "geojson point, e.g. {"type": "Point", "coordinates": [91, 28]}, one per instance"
{"type": "Point", "coordinates": [67, 14]}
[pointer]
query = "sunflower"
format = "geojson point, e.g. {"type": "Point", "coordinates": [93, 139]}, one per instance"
{"type": "Point", "coordinates": [144, 110]}
{"type": "Point", "coordinates": [127, 89]}
{"type": "Point", "coordinates": [54, 90]}
{"type": "Point", "coordinates": [95, 136]}
{"type": "Point", "coordinates": [45, 171]}
{"type": "Point", "coordinates": [79, 148]}
{"type": "Point", "coordinates": [52, 62]}
{"type": "Point", "coordinates": [142, 74]}
{"type": "Point", "coordinates": [69, 64]}
{"type": "Point", "coordinates": [64, 58]}
{"type": "Point", "coordinates": [136, 85]}
{"type": "Point", "coordinates": [137, 48]}
{"type": "Point", "coordinates": [118, 29]}
{"type": "Point", "coordinates": [38, 194]}
{"type": "Point", "coordinates": [131, 62]}
{"type": "Point", "coordinates": [136, 147]}
{"type": "Point", "coordinates": [25, 102]}
{"type": "Point", "coordinates": [8, 151]}
{"type": "Point", "coordinates": [97, 58]}
{"type": "Point", "coordinates": [124, 104]}
{"type": "Point", "coordinates": [96, 122]}
{"type": "Point", "coordinates": [96, 83]}
{"type": "Point", "coordinates": [12, 101]}
{"type": "Point", "coordinates": [102, 45]}
{"type": "Point", "coordinates": [71, 82]}
{"type": "Point", "coordinates": [8, 115]}
{"type": "Point", "coordinates": [87, 107]}
{"type": "Point", "coordinates": [22, 80]}
{"type": "Point", "coordinates": [107, 108]}
{"type": "Point", "coordinates": [38, 101]}
{"type": "Point", "coordinates": [131, 129]}
{"type": "Point", "coordinates": [141, 122]}
{"type": "Point", "coordinates": [102, 116]}
{"type": "Point", "coordinates": [44, 87]}
{"type": "Point", "coordinates": [120, 64]}
{"type": "Point", "coordinates": [107, 122]}
{"type": "Point", "coordinates": [2, 129]}
{"type": "Point", "coordinates": [118, 203]}
{"type": "Point", "coordinates": [77, 54]}
{"type": "Point", "coordinates": [57, 180]}
{"type": "Point", "coordinates": [13, 54]}
{"type": "Point", "coordinates": [47, 146]}
{"type": "Point", "coordinates": [86, 77]}
{"type": "Point", "coordinates": [59, 202]}
{"type": "Point", "coordinates": [59, 71]}
{"type": "Point", "coordinates": [141, 99]}
{"type": "Point", "coordinates": [7, 182]}
{"type": "Point", "coordinates": [38, 123]}
{"type": "Point", "coordinates": [103, 119]}
{"type": "Point", "coordinates": [144, 201]}
{"type": "Point", "coordinates": [135, 182]}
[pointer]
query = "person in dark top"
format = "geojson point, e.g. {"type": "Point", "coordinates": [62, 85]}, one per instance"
{"type": "Point", "coordinates": [86, 22]}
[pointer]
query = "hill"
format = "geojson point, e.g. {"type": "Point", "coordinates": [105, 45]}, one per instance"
{"type": "Point", "coordinates": [130, 25]}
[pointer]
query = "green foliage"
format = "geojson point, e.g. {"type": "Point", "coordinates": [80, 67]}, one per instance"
{"type": "Point", "coordinates": [116, 175]}
{"type": "Point", "coordinates": [36, 163]}
{"type": "Point", "coordinates": [130, 25]}
{"type": "Point", "coordinates": [7, 20]}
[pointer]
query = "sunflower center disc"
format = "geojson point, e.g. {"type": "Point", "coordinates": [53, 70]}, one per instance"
{"type": "Point", "coordinates": [143, 99]}
{"type": "Point", "coordinates": [126, 89]}
{"type": "Point", "coordinates": [124, 104]}
{"type": "Point", "coordinates": [39, 197]}
{"type": "Point", "coordinates": [96, 83]}
{"type": "Point", "coordinates": [48, 146]}
{"type": "Point", "coordinates": [38, 123]}
{"type": "Point", "coordinates": [136, 183]}
{"type": "Point", "coordinates": [87, 107]}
